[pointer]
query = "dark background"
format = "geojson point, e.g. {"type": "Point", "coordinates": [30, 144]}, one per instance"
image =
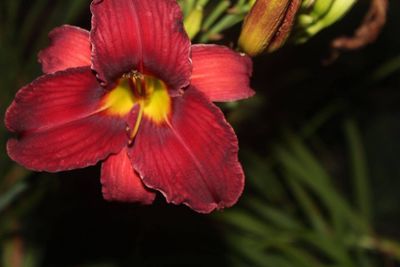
{"type": "Point", "coordinates": [307, 121]}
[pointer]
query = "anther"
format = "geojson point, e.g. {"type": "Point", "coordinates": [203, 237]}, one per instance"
{"type": "Point", "coordinates": [133, 74]}
{"type": "Point", "coordinates": [137, 75]}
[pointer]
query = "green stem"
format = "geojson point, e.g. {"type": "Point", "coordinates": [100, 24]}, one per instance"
{"type": "Point", "coordinates": [215, 14]}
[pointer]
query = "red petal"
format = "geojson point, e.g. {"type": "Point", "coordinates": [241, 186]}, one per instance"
{"type": "Point", "coordinates": [220, 73]}
{"type": "Point", "coordinates": [55, 99]}
{"type": "Point", "coordinates": [140, 35]}
{"type": "Point", "coordinates": [193, 159]}
{"type": "Point", "coordinates": [69, 48]}
{"type": "Point", "coordinates": [59, 125]}
{"type": "Point", "coordinates": [121, 183]}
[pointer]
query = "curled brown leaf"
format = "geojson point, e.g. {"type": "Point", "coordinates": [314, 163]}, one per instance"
{"type": "Point", "coordinates": [366, 33]}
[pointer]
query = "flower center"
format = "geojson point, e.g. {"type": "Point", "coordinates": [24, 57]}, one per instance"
{"type": "Point", "coordinates": [135, 88]}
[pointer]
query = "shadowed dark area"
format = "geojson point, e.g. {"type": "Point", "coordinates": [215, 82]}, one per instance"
{"type": "Point", "coordinates": [319, 145]}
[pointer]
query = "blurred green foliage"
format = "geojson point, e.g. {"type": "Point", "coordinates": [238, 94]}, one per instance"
{"type": "Point", "coordinates": [296, 217]}
{"type": "Point", "coordinates": [316, 15]}
{"type": "Point", "coordinates": [319, 146]}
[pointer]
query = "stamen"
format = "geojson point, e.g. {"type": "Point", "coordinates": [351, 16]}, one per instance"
{"type": "Point", "coordinates": [137, 75]}
{"type": "Point", "coordinates": [133, 74]}
{"type": "Point", "coordinates": [139, 85]}
{"type": "Point", "coordinates": [137, 82]}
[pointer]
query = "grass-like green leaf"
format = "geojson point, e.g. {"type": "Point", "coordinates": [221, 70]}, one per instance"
{"type": "Point", "coordinates": [358, 168]}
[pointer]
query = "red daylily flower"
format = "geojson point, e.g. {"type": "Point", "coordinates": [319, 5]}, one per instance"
{"type": "Point", "coordinates": [137, 95]}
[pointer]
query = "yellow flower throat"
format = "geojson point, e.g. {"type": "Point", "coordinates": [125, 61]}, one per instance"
{"type": "Point", "coordinates": [150, 93]}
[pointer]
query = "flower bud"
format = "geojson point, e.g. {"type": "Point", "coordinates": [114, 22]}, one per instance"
{"type": "Point", "coordinates": [320, 15]}
{"type": "Point", "coordinates": [268, 25]}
